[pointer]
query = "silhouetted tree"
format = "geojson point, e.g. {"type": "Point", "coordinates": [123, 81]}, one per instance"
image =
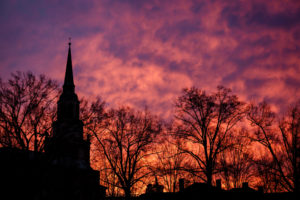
{"type": "Point", "coordinates": [93, 114]}
{"type": "Point", "coordinates": [26, 110]}
{"type": "Point", "coordinates": [281, 140]}
{"type": "Point", "coordinates": [265, 174]}
{"type": "Point", "coordinates": [237, 163]}
{"type": "Point", "coordinates": [125, 137]}
{"type": "Point", "coordinates": [90, 113]}
{"type": "Point", "coordinates": [169, 164]}
{"type": "Point", "coordinates": [205, 126]}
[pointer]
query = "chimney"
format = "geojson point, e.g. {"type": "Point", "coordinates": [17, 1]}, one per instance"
{"type": "Point", "coordinates": [218, 184]}
{"type": "Point", "coordinates": [181, 185]}
{"type": "Point", "coordinates": [245, 185]}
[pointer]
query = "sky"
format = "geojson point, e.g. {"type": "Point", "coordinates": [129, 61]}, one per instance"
{"type": "Point", "coordinates": [143, 53]}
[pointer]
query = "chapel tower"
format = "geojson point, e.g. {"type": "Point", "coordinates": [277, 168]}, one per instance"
{"type": "Point", "coordinates": [67, 146]}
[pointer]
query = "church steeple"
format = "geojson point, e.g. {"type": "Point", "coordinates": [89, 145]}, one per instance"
{"type": "Point", "coordinates": [69, 82]}
{"type": "Point", "coordinates": [68, 104]}
{"type": "Point", "coordinates": [67, 146]}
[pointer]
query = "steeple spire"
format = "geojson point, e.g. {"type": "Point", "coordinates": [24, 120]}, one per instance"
{"type": "Point", "coordinates": [68, 104]}
{"type": "Point", "coordinates": [69, 82]}
{"type": "Point", "coordinates": [67, 146]}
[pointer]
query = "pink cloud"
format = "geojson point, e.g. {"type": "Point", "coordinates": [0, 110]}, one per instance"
{"type": "Point", "coordinates": [145, 52]}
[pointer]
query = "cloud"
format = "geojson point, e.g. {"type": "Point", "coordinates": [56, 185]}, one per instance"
{"type": "Point", "coordinates": [145, 52]}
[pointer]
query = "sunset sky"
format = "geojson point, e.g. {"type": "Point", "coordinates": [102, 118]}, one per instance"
{"type": "Point", "coordinates": [137, 53]}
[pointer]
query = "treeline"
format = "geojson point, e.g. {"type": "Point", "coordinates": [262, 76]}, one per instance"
{"type": "Point", "coordinates": [211, 136]}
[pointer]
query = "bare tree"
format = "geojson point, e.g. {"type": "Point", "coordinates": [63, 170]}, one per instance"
{"type": "Point", "coordinates": [237, 163]}
{"type": "Point", "coordinates": [264, 171]}
{"type": "Point", "coordinates": [26, 110]}
{"type": "Point", "coordinates": [125, 137]}
{"type": "Point", "coordinates": [281, 140]}
{"type": "Point", "coordinates": [92, 113]}
{"type": "Point", "coordinates": [168, 164]}
{"type": "Point", "coordinates": [205, 126]}
{"type": "Point", "coordinates": [107, 178]}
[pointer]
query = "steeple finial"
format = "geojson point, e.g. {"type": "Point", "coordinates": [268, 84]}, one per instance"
{"type": "Point", "coordinates": [69, 82]}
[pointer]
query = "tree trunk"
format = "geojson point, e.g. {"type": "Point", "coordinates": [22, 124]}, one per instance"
{"type": "Point", "coordinates": [209, 177]}
{"type": "Point", "coordinates": [127, 193]}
